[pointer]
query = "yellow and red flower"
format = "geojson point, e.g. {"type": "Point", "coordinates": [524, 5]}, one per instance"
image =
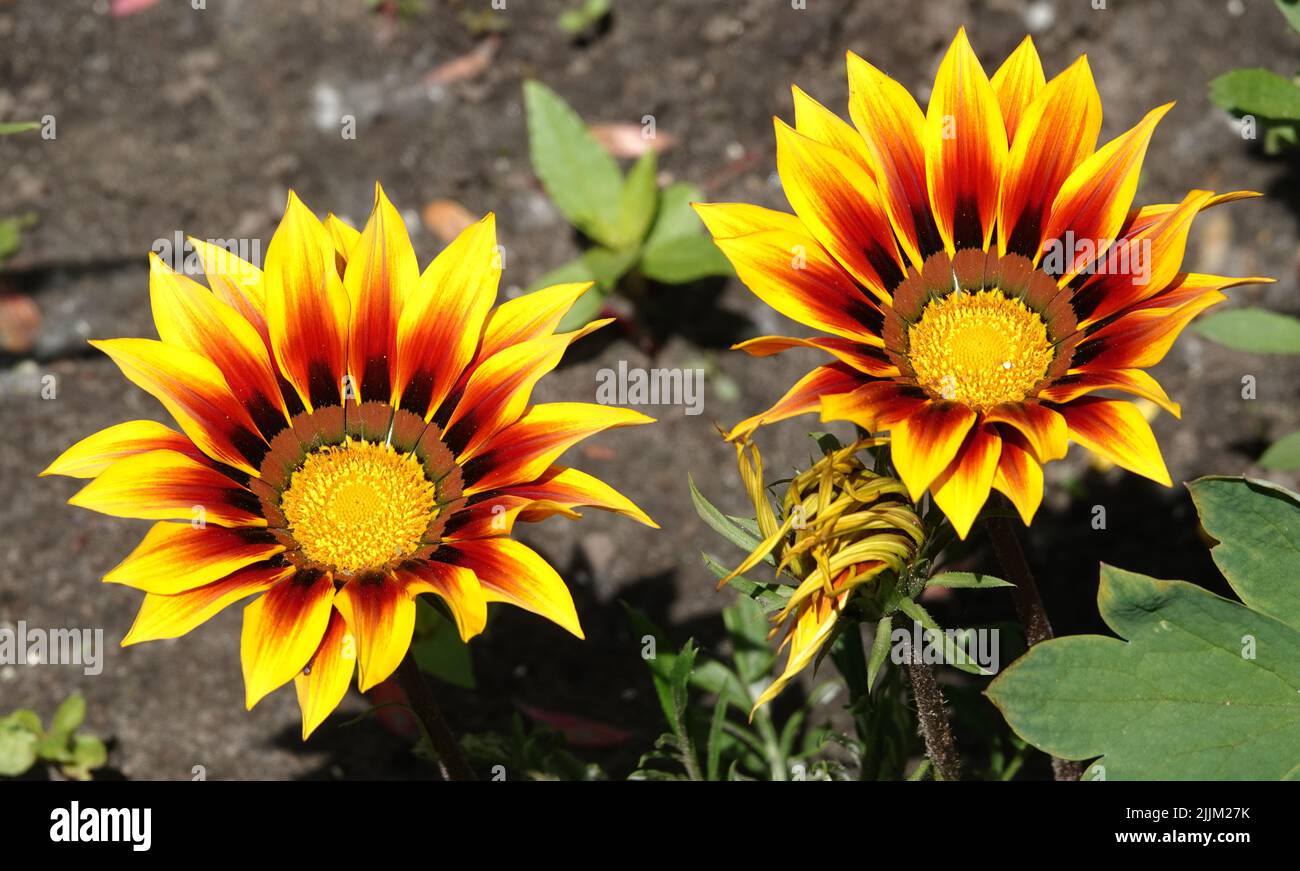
{"type": "Point", "coordinates": [354, 433]}
{"type": "Point", "coordinates": [980, 274]}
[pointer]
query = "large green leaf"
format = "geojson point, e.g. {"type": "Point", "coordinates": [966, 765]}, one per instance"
{"type": "Point", "coordinates": [1291, 9]}
{"type": "Point", "coordinates": [1257, 92]}
{"type": "Point", "coordinates": [580, 177]}
{"type": "Point", "coordinates": [1203, 688]}
{"type": "Point", "coordinates": [1257, 525]}
{"type": "Point", "coordinates": [1257, 330]}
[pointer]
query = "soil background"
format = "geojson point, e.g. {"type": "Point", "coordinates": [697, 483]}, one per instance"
{"type": "Point", "coordinates": [176, 119]}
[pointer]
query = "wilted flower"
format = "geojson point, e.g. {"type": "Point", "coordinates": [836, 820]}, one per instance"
{"type": "Point", "coordinates": [842, 525]}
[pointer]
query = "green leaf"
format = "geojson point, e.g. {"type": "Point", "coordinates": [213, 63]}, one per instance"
{"type": "Point", "coordinates": [17, 750]}
{"type": "Point", "coordinates": [1257, 330]}
{"type": "Point", "coordinates": [1257, 525]}
{"type": "Point", "coordinates": [748, 627]}
{"type": "Point", "coordinates": [967, 581]}
{"type": "Point", "coordinates": [18, 127]}
{"type": "Point", "coordinates": [1283, 454]}
{"type": "Point", "coordinates": [719, 522]}
{"type": "Point", "coordinates": [607, 266]}
{"type": "Point", "coordinates": [1257, 92]}
{"type": "Point", "coordinates": [953, 655]}
{"type": "Point", "coordinates": [770, 597]}
{"type": "Point", "coordinates": [679, 681]}
{"type": "Point", "coordinates": [716, 739]}
{"type": "Point", "coordinates": [25, 719]}
{"type": "Point", "coordinates": [69, 716]}
{"type": "Point", "coordinates": [678, 251]}
{"type": "Point", "coordinates": [1291, 9]}
{"type": "Point", "coordinates": [1179, 700]}
{"type": "Point", "coordinates": [438, 650]}
{"type": "Point", "coordinates": [575, 21]}
{"type": "Point", "coordinates": [580, 177]}
{"type": "Point", "coordinates": [638, 200]}
{"type": "Point", "coordinates": [879, 649]}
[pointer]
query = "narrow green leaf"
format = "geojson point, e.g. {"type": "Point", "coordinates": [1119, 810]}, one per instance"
{"type": "Point", "coordinates": [1257, 92]}
{"type": "Point", "coordinates": [967, 581]}
{"type": "Point", "coordinates": [770, 597]}
{"type": "Point", "coordinates": [1256, 330]}
{"type": "Point", "coordinates": [880, 646]}
{"type": "Point", "coordinates": [1291, 9]}
{"type": "Point", "coordinates": [69, 716]}
{"type": "Point", "coordinates": [579, 176]}
{"type": "Point", "coordinates": [719, 523]}
{"type": "Point", "coordinates": [716, 739]}
{"type": "Point", "coordinates": [953, 655]}
{"type": "Point", "coordinates": [1283, 454]}
{"type": "Point", "coordinates": [679, 682]}
{"type": "Point", "coordinates": [9, 127]}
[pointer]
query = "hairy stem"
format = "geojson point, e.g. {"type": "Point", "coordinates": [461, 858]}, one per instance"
{"type": "Point", "coordinates": [419, 694]}
{"type": "Point", "coordinates": [931, 714]}
{"type": "Point", "coordinates": [1029, 607]}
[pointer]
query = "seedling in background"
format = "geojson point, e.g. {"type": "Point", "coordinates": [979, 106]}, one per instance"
{"type": "Point", "coordinates": [639, 233]}
{"type": "Point", "coordinates": [24, 742]}
{"type": "Point", "coordinates": [11, 228]}
{"type": "Point", "coordinates": [1263, 99]}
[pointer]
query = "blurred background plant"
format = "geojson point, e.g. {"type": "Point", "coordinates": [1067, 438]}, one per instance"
{"type": "Point", "coordinates": [26, 745]}
{"type": "Point", "coordinates": [1260, 98]}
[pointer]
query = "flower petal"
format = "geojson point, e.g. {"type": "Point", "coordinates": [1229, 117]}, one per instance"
{"type": "Point", "coordinates": [1017, 82]}
{"type": "Point", "coordinates": [803, 398]}
{"type": "Point", "coordinates": [95, 453]}
{"type": "Point", "coordinates": [1058, 132]}
{"type": "Point", "coordinates": [455, 585]}
{"type": "Point", "coordinates": [282, 630]}
{"type": "Point", "coordinates": [1078, 383]}
{"type": "Point", "coordinates": [381, 614]}
{"type": "Point", "coordinates": [962, 489]}
{"type": "Point", "coordinates": [839, 204]}
{"type": "Point", "coordinates": [175, 557]}
{"type": "Point", "coordinates": [195, 392]}
{"type": "Point", "coordinates": [523, 451]}
{"type": "Point", "coordinates": [381, 274]}
{"type": "Point", "coordinates": [812, 627]}
{"type": "Point", "coordinates": [965, 149]}
{"type": "Point", "coordinates": [1044, 429]}
{"type": "Point", "coordinates": [515, 574]}
{"type": "Point", "coordinates": [236, 282]}
{"type": "Point", "coordinates": [1095, 197]}
{"type": "Point", "coordinates": [1019, 476]}
{"type": "Point", "coordinates": [173, 616]}
{"type": "Point", "coordinates": [893, 127]}
{"type": "Point", "coordinates": [1141, 338]}
{"type": "Point", "coordinates": [443, 320]}
{"type": "Point", "coordinates": [820, 124]}
{"type": "Point", "coordinates": [166, 485]}
{"type": "Point", "coordinates": [874, 405]}
{"type": "Point", "coordinates": [189, 316]}
{"type": "Point", "coordinates": [866, 358]}
{"type": "Point", "coordinates": [307, 309]}
{"type": "Point", "coordinates": [925, 442]}
{"type": "Point", "coordinates": [1115, 430]}
{"type": "Point", "coordinates": [530, 316]}
{"type": "Point", "coordinates": [323, 682]}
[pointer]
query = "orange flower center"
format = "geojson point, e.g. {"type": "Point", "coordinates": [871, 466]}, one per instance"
{"type": "Point", "coordinates": [359, 505]}
{"type": "Point", "coordinates": [979, 349]}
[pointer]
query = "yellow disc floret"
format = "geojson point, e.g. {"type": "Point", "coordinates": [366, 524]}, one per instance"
{"type": "Point", "coordinates": [979, 349]}
{"type": "Point", "coordinates": [359, 505]}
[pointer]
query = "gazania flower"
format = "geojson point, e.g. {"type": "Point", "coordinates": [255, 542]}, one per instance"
{"type": "Point", "coordinates": [843, 526]}
{"type": "Point", "coordinates": [354, 433]}
{"type": "Point", "coordinates": [980, 274]}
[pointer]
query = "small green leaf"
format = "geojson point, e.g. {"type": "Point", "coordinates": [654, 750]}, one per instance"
{"type": "Point", "coordinates": [1256, 330]}
{"type": "Point", "coordinates": [18, 127]}
{"type": "Point", "coordinates": [967, 581]}
{"type": "Point", "coordinates": [579, 176]}
{"type": "Point", "coordinates": [438, 650]}
{"type": "Point", "coordinates": [748, 627]}
{"type": "Point", "coordinates": [1257, 92]}
{"type": "Point", "coordinates": [69, 716]}
{"type": "Point", "coordinates": [719, 522]}
{"type": "Point", "coordinates": [576, 270]}
{"type": "Point", "coordinates": [716, 740]}
{"type": "Point", "coordinates": [608, 265]}
{"type": "Point", "coordinates": [1202, 688]}
{"type": "Point", "coordinates": [25, 719]}
{"type": "Point", "coordinates": [17, 750]}
{"type": "Point", "coordinates": [953, 655]}
{"type": "Point", "coordinates": [575, 21]}
{"type": "Point", "coordinates": [638, 200]}
{"type": "Point", "coordinates": [1257, 525]}
{"type": "Point", "coordinates": [679, 681]}
{"type": "Point", "coordinates": [1283, 454]}
{"type": "Point", "coordinates": [880, 646]}
{"type": "Point", "coordinates": [770, 597]}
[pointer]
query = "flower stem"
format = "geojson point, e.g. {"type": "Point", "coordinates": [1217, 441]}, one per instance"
{"type": "Point", "coordinates": [419, 694]}
{"type": "Point", "coordinates": [931, 714]}
{"type": "Point", "coordinates": [1029, 607]}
